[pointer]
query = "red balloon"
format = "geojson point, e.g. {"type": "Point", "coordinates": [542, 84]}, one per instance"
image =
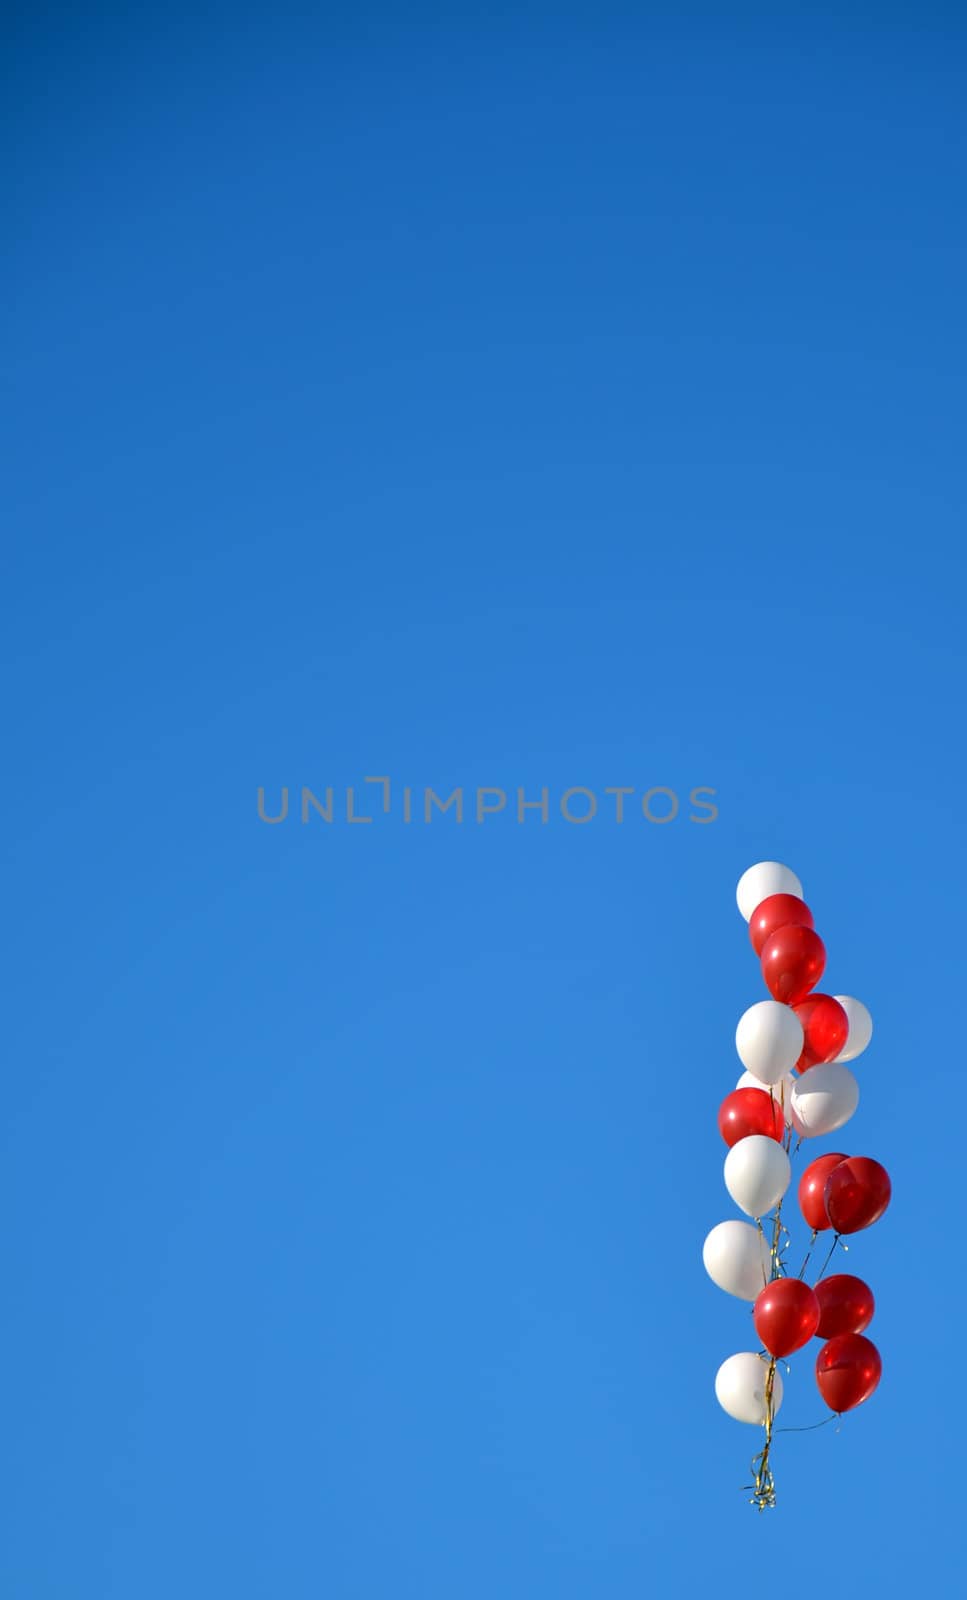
{"type": "Point", "coordinates": [746, 1111]}
{"type": "Point", "coordinates": [846, 1305]}
{"type": "Point", "coordinates": [777, 911]}
{"type": "Point", "coordinates": [848, 1369]}
{"type": "Point", "coordinates": [857, 1193]}
{"type": "Point", "coordinates": [812, 1188]}
{"type": "Point", "coordinates": [785, 1315]}
{"type": "Point", "coordinates": [793, 960]}
{"type": "Point", "coordinates": [825, 1027]}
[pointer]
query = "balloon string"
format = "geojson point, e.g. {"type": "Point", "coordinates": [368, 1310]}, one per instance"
{"type": "Point", "coordinates": [762, 1238]}
{"type": "Point", "coordinates": [812, 1425]}
{"type": "Point", "coordinates": [781, 1103]}
{"type": "Point", "coordinates": [829, 1257]}
{"type": "Point", "coordinates": [775, 1252]}
{"type": "Point", "coordinates": [763, 1486]}
{"type": "Point", "coordinates": [802, 1269]}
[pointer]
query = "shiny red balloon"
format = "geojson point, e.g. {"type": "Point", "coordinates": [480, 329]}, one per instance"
{"type": "Point", "coordinates": [793, 961]}
{"type": "Point", "coordinates": [848, 1369]}
{"type": "Point", "coordinates": [857, 1193]}
{"type": "Point", "coordinates": [812, 1189]}
{"type": "Point", "coordinates": [746, 1111]}
{"type": "Point", "coordinates": [846, 1305]}
{"type": "Point", "coordinates": [777, 911]}
{"type": "Point", "coordinates": [785, 1315]}
{"type": "Point", "coordinates": [825, 1028]}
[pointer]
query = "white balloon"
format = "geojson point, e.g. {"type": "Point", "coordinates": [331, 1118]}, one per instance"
{"type": "Point", "coordinates": [740, 1387]}
{"type": "Point", "coordinates": [757, 1173]}
{"type": "Point", "coordinates": [781, 1092]}
{"type": "Point", "coordinates": [824, 1098]}
{"type": "Point", "coordinates": [769, 1040]}
{"type": "Point", "coordinates": [765, 878]}
{"type": "Point", "coordinates": [737, 1258]}
{"type": "Point", "coordinates": [860, 1027]}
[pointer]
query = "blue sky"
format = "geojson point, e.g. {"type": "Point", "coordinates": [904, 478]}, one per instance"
{"type": "Point", "coordinates": [531, 401]}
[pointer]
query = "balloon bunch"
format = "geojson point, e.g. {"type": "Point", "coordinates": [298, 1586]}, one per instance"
{"type": "Point", "coordinates": [796, 1085]}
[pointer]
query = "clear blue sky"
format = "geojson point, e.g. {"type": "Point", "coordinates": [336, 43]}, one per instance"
{"type": "Point", "coordinates": [516, 399]}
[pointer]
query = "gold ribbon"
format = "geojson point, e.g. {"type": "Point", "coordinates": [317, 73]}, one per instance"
{"type": "Point", "coordinates": [763, 1485]}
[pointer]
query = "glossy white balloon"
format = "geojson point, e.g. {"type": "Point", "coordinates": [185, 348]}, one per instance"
{"type": "Point", "coordinates": [781, 1092]}
{"type": "Point", "coordinates": [860, 1027]}
{"type": "Point", "coordinates": [757, 1173]}
{"type": "Point", "coordinates": [736, 1257]}
{"type": "Point", "coordinates": [769, 1040]}
{"type": "Point", "coordinates": [824, 1099]}
{"type": "Point", "coordinates": [740, 1387]}
{"type": "Point", "coordinates": [765, 878]}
